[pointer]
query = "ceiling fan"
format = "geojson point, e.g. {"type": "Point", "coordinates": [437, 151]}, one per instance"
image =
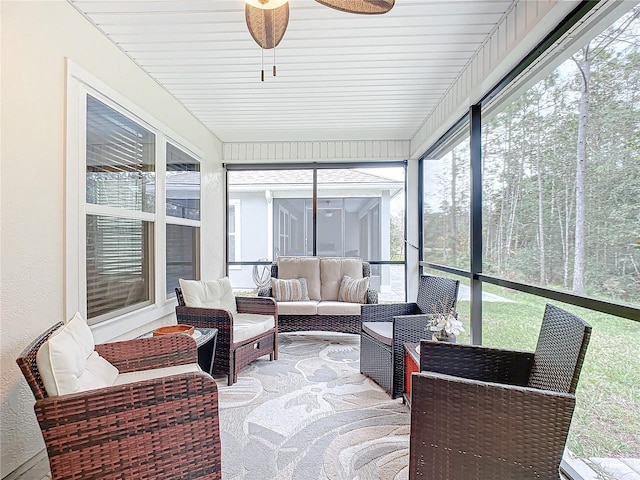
{"type": "Point", "coordinates": [267, 20]}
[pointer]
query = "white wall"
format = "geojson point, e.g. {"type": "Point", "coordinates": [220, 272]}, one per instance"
{"type": "Point", "coordinates": [37, 36]}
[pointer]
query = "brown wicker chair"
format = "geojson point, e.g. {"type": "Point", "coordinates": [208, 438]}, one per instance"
{"type": "Point", "coordinates": [166, 428]}
{"type": "Point", "coordinates": [381, 343]}
{"type": "Point", "coordinates": [479, 412]}
{"type": "Point", "coordinates": [232, 356]}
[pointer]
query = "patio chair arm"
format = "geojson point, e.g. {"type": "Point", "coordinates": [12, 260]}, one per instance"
{"type": "Point", "coordinates": [148, 353]}
{"type": "Point", "coordinates": [136, 430]}
{"type": "Point", "coordinates": [257, 305]}
{"type": "Point", "coordinates": [204, 317]}
{"type": "Point", "coordinates": [476, 362]}
{"type": "Point", "coordinates": [504, 431]}
{"type": "Point", "coordinates": [384, 312]}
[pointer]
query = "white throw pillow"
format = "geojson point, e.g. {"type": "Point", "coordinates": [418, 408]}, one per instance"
{"type": "Point", "coordinates": [68, 362]}
{"type": "Point", "coordinates": [209, 294]}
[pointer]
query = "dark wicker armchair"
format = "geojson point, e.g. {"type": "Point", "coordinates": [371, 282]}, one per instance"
{"type": "Point", "coordinates": [233, 355]}
{"type": "Point", "coordinates": [386, 327]}
{"type": "Point", "coordinates": [165, 428]}
{"type": "Point", "coordinates": [488, 413]}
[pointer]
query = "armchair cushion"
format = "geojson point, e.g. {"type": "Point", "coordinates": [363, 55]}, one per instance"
{"type": "Point", "coordinates": [68, 362]}
{"type": "Point", "coordinates": [249, 325]}
{"type": "Point", "coordinates": [291, 290]}
{"type": "Point", "coordinates": [209, 294]}
{"type": "Point", "coordinates": [353, 290]}
{"type": "Point", "coordinates": [154, 373]}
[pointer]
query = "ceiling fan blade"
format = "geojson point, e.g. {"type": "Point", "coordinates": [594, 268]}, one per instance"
{"type": "Point", "coordinates": [364, 7]}
{"type": "Point", "coordinates": [267, 26]}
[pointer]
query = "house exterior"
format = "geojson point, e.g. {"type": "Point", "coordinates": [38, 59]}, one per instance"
{"type": "Point", "coordinates": [353, 219]}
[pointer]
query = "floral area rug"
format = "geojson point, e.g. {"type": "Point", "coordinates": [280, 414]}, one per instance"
{"type": "Point", "coordinates": [312, 415]}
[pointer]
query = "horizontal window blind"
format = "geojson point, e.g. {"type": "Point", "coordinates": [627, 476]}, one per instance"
{"type": "Point", "coordinates": [120, 160]}
{"type": "Point", "coordinates": [183, 184]}
{"type": "Point", "coordinates": [183, 254]}
{"type": "Point", "coordinates": [118, 264]}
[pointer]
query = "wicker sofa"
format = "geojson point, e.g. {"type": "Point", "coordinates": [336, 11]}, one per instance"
{"type": "Point", "coordinates": [323, 311]}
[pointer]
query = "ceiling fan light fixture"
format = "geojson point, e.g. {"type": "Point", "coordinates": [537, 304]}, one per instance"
{"type": "Point", "coordinates": [267, 26]}
{"type": "Point", "coordinates": [266, 4]}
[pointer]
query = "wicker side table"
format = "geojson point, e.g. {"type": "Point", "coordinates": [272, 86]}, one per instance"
{"type": "Point", "coordinates": [206, 343]}
{"type": "Point", "coordinates": [411, 365]}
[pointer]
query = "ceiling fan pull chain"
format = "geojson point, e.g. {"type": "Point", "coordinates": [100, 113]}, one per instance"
{"type": "Point", "coordinates": [262, 71]}
{"type": "Point", "coordinates": [274, 61]}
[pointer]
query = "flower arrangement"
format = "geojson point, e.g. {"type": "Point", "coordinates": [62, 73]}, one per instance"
{"type": "Point", "coordinates": [445, 325]}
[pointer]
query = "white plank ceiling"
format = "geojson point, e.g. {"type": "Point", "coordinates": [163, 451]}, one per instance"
{"type": "Point", "coordinates": [339, 76]}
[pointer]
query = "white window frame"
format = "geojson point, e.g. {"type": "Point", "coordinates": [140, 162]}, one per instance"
{"type": "Point", "coordinates": [171, 220]}
{"type": "Point", "coordinates": [80, 83]}
{"type": "Point", "coordinates": [237, 235]}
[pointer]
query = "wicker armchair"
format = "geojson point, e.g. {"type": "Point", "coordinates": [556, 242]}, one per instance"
{"type": "Point", "coordinates": [232, 355]}
{"type": "Point", "coordinates": [488, 413]}
{"type": "Point", "coordinates": [386, 327]}
{"type": "Point", "coordinates": [146, 429]}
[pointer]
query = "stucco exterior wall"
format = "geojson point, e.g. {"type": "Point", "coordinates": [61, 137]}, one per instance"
{"type": "Point", "coordinates": [37, 37]}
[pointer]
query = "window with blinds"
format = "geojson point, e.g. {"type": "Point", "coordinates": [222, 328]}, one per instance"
{"type": "Point", "coordinates": [183, 255]}
{"type": "Point", "coordinates": [183, 217]}
{"type": "Point", "coordinates": [120, 189]}
{"type": "Point", "coordinates": [183, 184]}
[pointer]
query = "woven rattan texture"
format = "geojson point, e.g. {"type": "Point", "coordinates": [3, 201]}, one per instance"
{"type": "Point", "coordinates": [560, 351]}
{"type": "Point", "coordinates": [374, 360]}
{"type": "Point", "coordinates": [27, 363]}
{"type": "Point", "coordinates": [435, 294]}
{"type": "Point", "coordinates": [152, 429]}
{"type": "Point", "coordinates": [231, 357]}
{"type": "Point", "coordinates": [515, 431]}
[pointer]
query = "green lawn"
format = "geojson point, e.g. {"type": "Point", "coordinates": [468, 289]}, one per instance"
{"type": "Point", "coordinates": [606, 422]}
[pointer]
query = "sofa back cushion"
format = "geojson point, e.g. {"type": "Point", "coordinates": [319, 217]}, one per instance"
{"type": "Point", "coordinates": [303, 267]}
{"type": "Point", "coordinates": [332, 271]}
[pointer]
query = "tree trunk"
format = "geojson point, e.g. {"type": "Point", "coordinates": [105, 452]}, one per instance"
{"type": "Point", "coordinates": [454, 206]}
{"type": "Point", "coordinates": [581, 171]}
{"type": "Point", "coordinates": [543, 275]}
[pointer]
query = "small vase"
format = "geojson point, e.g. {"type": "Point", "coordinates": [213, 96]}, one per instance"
{"type": "Point", "coordinates": [438, 338]}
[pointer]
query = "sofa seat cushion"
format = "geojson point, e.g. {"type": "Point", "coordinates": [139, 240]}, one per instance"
{"type": "Point", "coordinates": [302, 267]}
{"type": "Point", "coordinates": [68, 362]}
{"type": "Point", "coordinates": [333, 270]}
{"type": "Point", "coordinates": [338, 308]}
{"type": "Point", "coordinates": [309, 307]}
{"type": "Point", "coordinates": [140, 375]}
{"type": "Point", "coordinates": [208, 294]}
{"type": "Point", "coordinates": [249, 325]}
